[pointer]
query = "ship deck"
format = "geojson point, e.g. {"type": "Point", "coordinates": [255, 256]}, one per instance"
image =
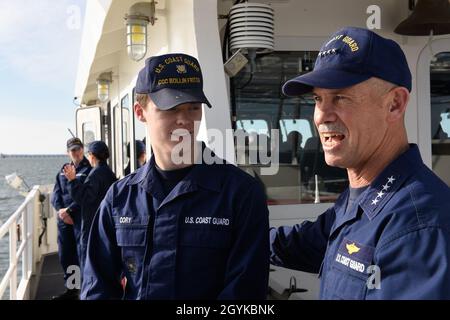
{"type": "Point", "coordinates": [51, 280]}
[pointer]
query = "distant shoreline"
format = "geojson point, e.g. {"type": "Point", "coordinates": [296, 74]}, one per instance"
{"type": "Point", "coordinates": [4, 156]}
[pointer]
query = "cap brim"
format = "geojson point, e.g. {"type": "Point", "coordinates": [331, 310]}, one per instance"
{"type": "Point", "coordinates": [74, 147]}
{"type": "Point", "coordinates": [324, 78]}
{"type": "Point", "coordinates": [169, 98]}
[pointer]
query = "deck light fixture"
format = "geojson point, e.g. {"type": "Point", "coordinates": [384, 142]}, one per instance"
{"type": "Point", "coordinates": [103, 84]}
{"type": "Point", "coordinates": [139, 16]}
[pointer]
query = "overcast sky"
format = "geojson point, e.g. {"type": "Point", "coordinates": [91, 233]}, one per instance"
{"type": "Point", "coordinates": [39, 41]}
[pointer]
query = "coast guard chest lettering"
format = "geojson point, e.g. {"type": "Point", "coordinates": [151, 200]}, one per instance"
{"type": "Point", "coordinates": [352, 264]}
{"type": "Point", "coordinates": [207, 220]}
{"type": "Point", "coordinates": [354, 255]}
{"type": "Point", "coordinates": [124, 220]}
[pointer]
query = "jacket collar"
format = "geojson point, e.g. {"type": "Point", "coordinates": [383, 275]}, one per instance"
{"type": "Point", "coordinates": [381, 190]}
{"type": "Point", "coordinates": [390, 180]}
{"type": "Point", "coordinates": [83, 163]}
{"type": "Point", "coordinates": [207, 176]}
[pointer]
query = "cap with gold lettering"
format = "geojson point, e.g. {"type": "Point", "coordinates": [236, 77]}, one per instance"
{"type": "Point", "coordinates": [171, 80]}
{"type": "Point", "coordinates": [350, 56]}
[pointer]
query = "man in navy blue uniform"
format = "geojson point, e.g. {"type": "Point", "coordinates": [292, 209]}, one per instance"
{"type": "Point", "coordinates": [90, 193]}
{"type": "Point", "coordinates": [185, 230]}
{"type": "Point", "coordinates": [388, 234]}
{"type": "Point", "coordinates": [69, 223]}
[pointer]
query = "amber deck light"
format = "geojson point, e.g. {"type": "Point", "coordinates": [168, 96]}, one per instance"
{"type": "Point", "coordinates": [137, 19]}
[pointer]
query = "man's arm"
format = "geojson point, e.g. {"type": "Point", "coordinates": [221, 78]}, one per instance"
{"type": "Point", "coordinates": [103, 267]}
{"type": "Point", "coordinates": [56, 199]}
{"type": "Point", "coordinates": [247, 268]}
{"type": "Point", "coordinates": [74, 208]}
{"type": "Point", "coordinates": [87, 192]}
{"type": "Point", "coordinates": [302, 246]}
{"type": "Point", "coordinates": [414, 266]}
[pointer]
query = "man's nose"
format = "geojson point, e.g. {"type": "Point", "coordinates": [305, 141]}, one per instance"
{"type": "Point", "coordinates": [182, 117]}
{"type": "Point", "coordinates": [324, 112]}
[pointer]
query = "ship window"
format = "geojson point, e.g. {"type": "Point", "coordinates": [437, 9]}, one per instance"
{"type": "Point", "coordinates": [88, 132]}
{"type": "Point", "coordinates": [117, 147]}
{"type": "Point", "coordinates": [125, 104]}
{"type": "Point", "coordinates": [253, 125]}
{"type": "Point", "coordinates": [259, 107]}
{"type": "Point", "coordinates": [440, 115]}
{"type": "Point", "coordinates": [295, 127]}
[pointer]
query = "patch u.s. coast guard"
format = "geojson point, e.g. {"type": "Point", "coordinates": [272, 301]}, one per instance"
{"type": "Point", "coordinates": [207, 220]}
{"type": "Point", "coordinates": [354, 255]}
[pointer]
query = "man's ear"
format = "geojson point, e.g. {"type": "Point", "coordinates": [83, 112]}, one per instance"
{"type": "Point", "coordinates": [398, 100]}
{"type": "Point", "coordinates": [139, 112]}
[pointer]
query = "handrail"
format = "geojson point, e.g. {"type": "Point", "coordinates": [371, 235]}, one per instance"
{"type": "Point", "coordinates": [25, 250]}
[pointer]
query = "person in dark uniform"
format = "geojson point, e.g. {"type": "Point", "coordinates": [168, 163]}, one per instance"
{"type": "Point", "coordinates": [178, 230]}
{"type": "Point", "coordinates": [89, 194]}
{"type": "Point", "coordinates": [69, 224]}
{"type": "Point", "coordinates": [388, 235]}
{"type": "Point", "coordinates": [141, 156]}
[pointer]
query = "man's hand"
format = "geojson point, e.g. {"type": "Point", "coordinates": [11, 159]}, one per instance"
{"type": "Point", "coordinates": [62, 213]}
{"type": "Point", "coordinates": [68, 220]}
{"type": "Point", "coordinates": [69, 172]}
{"type": "Point", "coordinates": [64, 216]}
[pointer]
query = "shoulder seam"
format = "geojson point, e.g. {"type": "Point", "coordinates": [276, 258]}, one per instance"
{"type": "Point", "coordinates": [414, 203]}
{"type": "Point", "coordinates": [408, 231]}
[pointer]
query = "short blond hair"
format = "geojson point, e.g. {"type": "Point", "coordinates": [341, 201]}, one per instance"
{"type": "Point", "coordinates": [142, 99]}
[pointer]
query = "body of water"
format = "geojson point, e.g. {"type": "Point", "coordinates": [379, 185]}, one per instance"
{"type": "Point", "coordinates": [35, 171]}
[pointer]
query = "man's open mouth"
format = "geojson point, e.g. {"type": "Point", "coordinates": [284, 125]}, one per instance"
{"type": "Point", "coordinates": [333, 137]}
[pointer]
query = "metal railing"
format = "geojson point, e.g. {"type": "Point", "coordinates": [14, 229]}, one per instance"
{"type": "Point", "coordinates": [20, 227]}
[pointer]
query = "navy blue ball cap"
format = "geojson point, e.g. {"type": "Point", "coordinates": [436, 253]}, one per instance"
{"type": "Point", "coordinates": [172, 79]}
{"type": "Point", "coordinates": [350, 56]}
{"type": "Point", "coordinates": [140, 147]}
{"type": "Point", "coordinates": [74, 143]}
{"type": "Point", "coordinates": [98, 148]}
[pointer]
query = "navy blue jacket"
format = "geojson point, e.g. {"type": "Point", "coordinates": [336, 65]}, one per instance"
{"type": "Point", "coordinates": [89, 194]}
{"type": "Point", "coordinates": [399, 231]}
{"type": "Point", "coordinates": [208, 239]}
{"type": "Point", "coordinates": [61, 197]}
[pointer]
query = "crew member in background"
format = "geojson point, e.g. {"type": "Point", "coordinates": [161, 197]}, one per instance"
{"type": "Point", "coordinates": [141, 156]}
{"type": "Point", "coordinates": [69, 223]}
{"type": "Point", "coordinates": [89, 194]}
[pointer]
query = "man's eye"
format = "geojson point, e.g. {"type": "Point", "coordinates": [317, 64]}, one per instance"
{"type": "Point", "coordinates": [316, 98]}
{"type": "Point", "coordinates": [340, 98]}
